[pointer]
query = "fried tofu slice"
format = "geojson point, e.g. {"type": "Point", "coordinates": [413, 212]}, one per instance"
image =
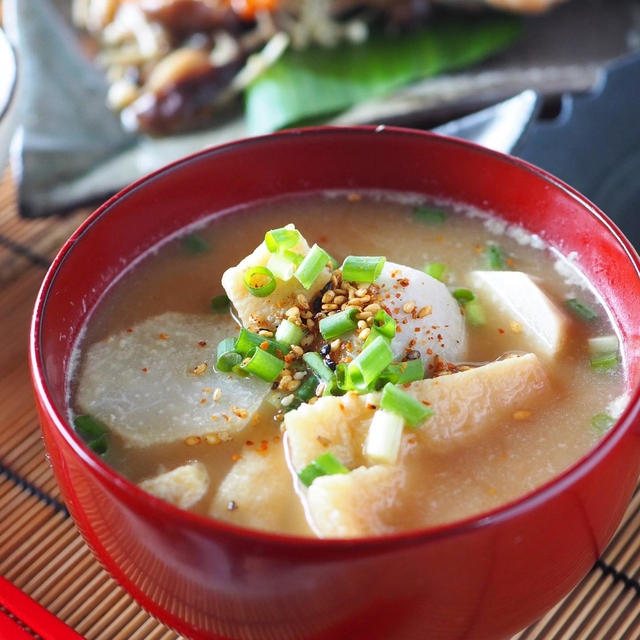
{"type": "Point", "coordinates": [183, 486]}
{"type": "Point", "coordinates": [257, 493]}
{"type": "Point", "coordinates": [516, 295]}
{"type": "Point", "coordinates": [255, 312]}
{"type": "Point", "coordinates": [470, 403]}
{"type": "Point", "coordinates": [336, 424]}
{"type": "Point", "coordinates": [156, 382]}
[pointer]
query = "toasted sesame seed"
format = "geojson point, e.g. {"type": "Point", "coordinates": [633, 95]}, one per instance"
{"type": "Point", "coordinates": [266, 333]}
{"type": "Point", "coordinates": [306, 314]}
{"type": "Point", "coordinates": [299, 375]}
{"type": "Point", "coordinates": [212, 438]}
{"type": "Point", "coordinates": [521, 414]}
{"type": "Point", "coordinates": [340, 292]}
{"type": "Point", "coordinates": [364, 315]}
{"type": "Point", "coordinates": [217, 394]}
{"type": "Point", "coordinates": [328, 296]}
{"type": "Point", "coordinates": [200, 369]}
{"type": "Point", "coordinates": [310, 323]}
{"type": "Point", "coordinates": [340, 299]}
{"type": "Point", "coordinates": [516, 327]}
{"type": "Point", "coordinates": [320, 388]}
{"type": "Point", "coordinates": [297, 350]}
{"type": "Point", "coordinates": [293, 385]}
{"type": "Point", "coordinates": [302, 301]}
{"type": "Point", "coordinates": [241, 413]}
{"type": "Point", "coordinates": [292, 312]}
{"type": "Point", "coordinates": [364, 334]}
{"type": "Point", "coordinates": [373, 308]}
{"type": "Point", "coordinates": [190, 441]}
{"type": "Point", "coordinates": [362, 324]}
{"type": "Point", "coordinates": [408, 307]}
{"type": "Point", "coordinates": [306, 340]}
{"type": "Point", "coordinates": [335, 345]}
{"type": "Point", "coordinates": [425, 311]}
{"type": "Point", "coordinates": [287, 400]}
{"type": "Point", "coordinates": [329, 306]}
{"type": "Point", "coordinates": [361, 293]}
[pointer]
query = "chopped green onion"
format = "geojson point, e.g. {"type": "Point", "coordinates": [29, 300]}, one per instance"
{"type": "Point", "coordinates": [338, 324]}
{"type": "Point", "coordinates": [384, 437]}
{"type": "Point", "coordinates": [220, 303]}
{"type": "Point", "coordinates": [226, 355]}
{"type": "Point", "coordinates": [280, 239]}
{"type": "Point", "coordinates": [581, 310]}
{"type": "Point", "coordinates": [602, 422]}
{"type": "Point", "coordinates": [259, 281]}
{"type": "Point", "coordinates": [307, 389]}
{"type": "Point", "coordinates": [474, 313]}
{"type": "Point", "coordinates": [262, 364]}
{"type": "Point", "coordinates": [605, 361]}
{"type": "Point", "coordinates": [93, 433]}
{"type": "Point", "coordinates": [311, 266]}
{"type": "Point", "coordinates": [281, 267]}
{"type": "Point", "coordinates": [315, 362]}
{"type": "Point", "coordinates": [463, 295]}
{"type": "Point", "coordinates": [343, 379]}
{"type": "Point", "coordinates": [385, 324]}
{"type": "Point", "coordinates": [288, 333]}
{"type": "Point", "coordinates": [413, 411]}
{"type": "Point", "coordinates": [495, 257]}
{"type": "Point", "coordinates": [193, 243]}
{"type": "Point", "coordinates": [429, 216]}
{"type": "Point", "coordinates": [403, 372]}
{"type": "Point", "coordinates": [362, 268]}
{"type": "Point", "coordinates": [435, 270]}
{"type": "Point", "coordinates": [603, 344]}
{"type": "Point", "coordinates": [324, 465]}
{"type": "Point", "coordinates": [247, 340]}
{"type": "Point", "coordinates": [370, 363]}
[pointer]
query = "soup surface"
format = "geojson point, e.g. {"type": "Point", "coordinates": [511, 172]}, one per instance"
{"type": "Point", "coordinates": [521, 367]}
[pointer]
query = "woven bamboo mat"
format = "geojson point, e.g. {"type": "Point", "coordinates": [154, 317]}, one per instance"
{"type": "Point", "coordinates": [42, 553]}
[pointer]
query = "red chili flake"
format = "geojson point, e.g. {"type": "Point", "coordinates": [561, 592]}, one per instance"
{"type": "Point", "coordinates": [163, 336]}
{"type": "Point", "coordinates": [429, 351]}
{"type": "Point", "coordinates": [341, 406]}
{"type": "Point", "coordinates": [203, 400]}
{"type": "Point", "coordinates": [510, 262]}
{"type": "Point", "coordinates": [430, 367]}
{"type": "Point", "coordinates": [278, 353]}
{"type": "Point", "coordinates": [249, 443]}
{"type": "Point", "coordinates": [501, 331]}
{"type": "Point", "coordinates": [398, 295]}
{"type": "Point", "coordinates": [129, 330]}
{"type": "Point", "coordinates": [404, 321]}
{"type": "Point", "coordinates": [398, 329]}
{"type": "Point", "coordinates": [425, 403]}
{"type": "Point", "coordinates": [289, 358]}
{"type": "Point", "coordinates": [417, 329]}
{"type": "Point", "coordinates": [264, 444]}
{"type": "Point", "coordinates": [202, 343]}
{"type": "Point", "coordinates": [439, 336]}
{"type": "Point", "coordinates": [403, 282]}
{"type": "Point", "coordinates": [144, 370]}
{"type": "Point", "coordinates": [411, 440]}
{"type": "Point", "coordinates": [264, 345]}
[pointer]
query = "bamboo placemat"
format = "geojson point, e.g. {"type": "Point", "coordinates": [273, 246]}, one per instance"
{"type": "Point", "coordinates": [42, 553]}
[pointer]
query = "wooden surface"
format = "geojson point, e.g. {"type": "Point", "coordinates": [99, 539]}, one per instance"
{"type": "Point", "coordinates": [42, 553]}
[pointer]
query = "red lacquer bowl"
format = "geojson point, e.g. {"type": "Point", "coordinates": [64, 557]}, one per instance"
{"type": "Point", "coordinates": [485, 577]}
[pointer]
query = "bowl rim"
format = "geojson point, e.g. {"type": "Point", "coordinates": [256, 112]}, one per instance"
{"type": "Point", "coordinates": [7, 47]}
{"type": "Point", "coordinates": [133, 493]}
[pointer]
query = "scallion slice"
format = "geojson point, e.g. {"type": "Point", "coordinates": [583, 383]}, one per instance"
{"type": "Point", "coordinates": [281, 239]}
{"type": "Point", "coordinates": [315, 362]}
{"type": "Point", "coordinates": [220, 304]}
{"type": "Point", "coordinates": [605, 361]}
{"type": "Point", "coordinates": [435, 270]}
{"type": "Point", "coordinates": [581, 310]}
{"type": "Point", "coordinates": [93, 433]}
{"type": "Point", "coordinates": [403, 372]}
{"type": "Point", "coordinates": [262, 364]}
{"type": "Point", "coordinates": [474, 313]}
{"type": "Point", "coordinates": [259, 281]}
{"type": "Point", "coordinates": [338, 324]}
{"type": "Point", "coordinates": [412, 411]}
{"type": "Point", "coordinates": [384, 437]}
{"type": "Point", "coordinates": [370, 363]}
{"type": "Point", "coordinates": [384, 324]}
{"type": "Point", "coordinates": [281, 267]}
{"type": "Point", "coordinates": [602, 422]}
{"type": "Point", "coordinates": [307, 389]}
{"type": "Point", "coordinates": [463, 295]}
{"type": "Point", "coordinates": [495, 257]}
{"type": "Point", "coordinates": [429, 216]}
{"type": "Point", "coordinates": [324, 465]}
{"type": "Point", "coordinates": [311, 266]}
{"type": "Point", "coordinates": [226, 355]}
{"type": "Point", "coordinates": [603, 344]}
{"type": "Point", "coordinates": [362, 268]}
{"type": "Point", "coordinates": [288, 333]}
{"type": "Point", "coordinates": [247, 340]}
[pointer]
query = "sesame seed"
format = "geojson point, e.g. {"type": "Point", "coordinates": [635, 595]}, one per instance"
{"type": "Point", "coordinates": [292, 312]}
{"type": "Point", "coordinates": [361, 293]}
{"type": "Point", "coordinates": [297, 350]}
{"type": "Point", "coordinates": [287, 400]}
{"type": "Point", "coordinates": [408, 307]}
{"type": "Point", "coordinates": [299, 375]}
{"type": "Point", "coordinates": [328, 296]}
{"type": "Point", "coordinates": [425, 311]}
{"type": "Point", "coordinates": [329, 306]}
{"type": "Point", "coordinates": [373, 308]}
{"type": "Point", "coordinates": [293, 385]}
{"type": "Point", "coordinates": [192, 440]}
{"type": "Point", "coordinates": [320, 388]}
{"type": "Point", "coordinates": [340, 299]}
{"type": "Point", "coordinates": [303, 303]}
{"type": "Point", "coordinates": [212, 438]}
{"type": "Point", "coordinates": [265, 333]}
{"type": "Point", "coordinates": [364, 334]}
{"type": "Point", "coordinates": [307, 340]}
{"type": "Point", "coordinates": [516, 327]}
{"type": "Point", "coordinates": [335, 345]}
{"type": "Point", "coordinates": [310, 323]}
{"type": "Point", "coordinates": [200, 369]}
{"type": "Point", "coordinates": [364, 315]}
{"type": "Point", "coordinates": [217, 394]}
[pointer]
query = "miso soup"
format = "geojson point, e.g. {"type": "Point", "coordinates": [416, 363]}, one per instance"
{"type": "Point", "coordinates": [343, 365]}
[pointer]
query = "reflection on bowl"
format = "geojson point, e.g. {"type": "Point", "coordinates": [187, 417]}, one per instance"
{"type": "Point", "coordinates": [484, 577]}
{"type": "Point", "coordinates": [8, 101]}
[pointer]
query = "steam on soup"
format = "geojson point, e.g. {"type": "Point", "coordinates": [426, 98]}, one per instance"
{"type": "Point", "coordinates": [347, 365]}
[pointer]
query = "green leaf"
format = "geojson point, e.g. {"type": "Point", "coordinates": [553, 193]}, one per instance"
{"type": "Point", "coordinates": [318, 82]}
